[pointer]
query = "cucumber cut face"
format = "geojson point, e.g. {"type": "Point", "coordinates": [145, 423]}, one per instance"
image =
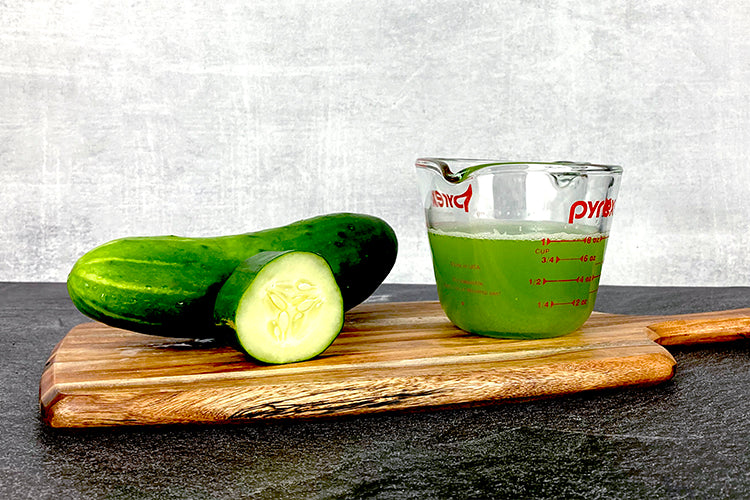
{"type": "Point", "coordinates": [284, 306]}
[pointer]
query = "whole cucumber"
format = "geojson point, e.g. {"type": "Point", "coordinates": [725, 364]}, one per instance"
{"type": "Point", "coordinates": [167, 285]}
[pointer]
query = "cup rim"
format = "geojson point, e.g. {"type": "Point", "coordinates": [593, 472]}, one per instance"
{"type": "Point", "coordinates": [446, 167]}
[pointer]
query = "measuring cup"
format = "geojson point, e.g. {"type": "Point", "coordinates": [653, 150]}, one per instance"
{"type": "Point", "coordinates": [517, 248]}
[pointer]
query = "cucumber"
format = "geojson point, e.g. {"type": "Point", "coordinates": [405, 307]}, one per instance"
{"type": "Point", "coordinates": [284, 307]}
{"type": "Point", "coordinates": [167, 285]}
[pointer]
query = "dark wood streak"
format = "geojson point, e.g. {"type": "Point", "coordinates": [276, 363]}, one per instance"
{"type": "Point", "coordinates": [292, 408]}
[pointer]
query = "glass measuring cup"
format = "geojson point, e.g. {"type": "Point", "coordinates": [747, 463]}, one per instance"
{"type": "Point", "coordinates": [517, 247]}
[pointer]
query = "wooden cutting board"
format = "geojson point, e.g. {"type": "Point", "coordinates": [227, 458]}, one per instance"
{"type": "Point", "coordinates": [389, 356]}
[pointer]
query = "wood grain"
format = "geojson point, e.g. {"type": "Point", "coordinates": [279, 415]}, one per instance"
{"type": "Point", "coordinates": [389, 357]}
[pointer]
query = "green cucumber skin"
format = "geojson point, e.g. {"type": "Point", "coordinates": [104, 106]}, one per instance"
{"type": "Point", "coordinates": [167, 285]}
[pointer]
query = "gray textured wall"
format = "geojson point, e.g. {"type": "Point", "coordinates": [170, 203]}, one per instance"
{"type": "Point", "coordinates": [203, 118]}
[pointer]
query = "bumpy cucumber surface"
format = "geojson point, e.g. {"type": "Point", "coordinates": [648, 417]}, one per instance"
{"type": "Point", "coordinates": [285, 307]}
{"type": "Point", "coordinates": [167, 285]}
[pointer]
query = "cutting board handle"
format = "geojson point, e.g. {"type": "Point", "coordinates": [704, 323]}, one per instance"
{"type": "Point", "coordinates": [724, 326]}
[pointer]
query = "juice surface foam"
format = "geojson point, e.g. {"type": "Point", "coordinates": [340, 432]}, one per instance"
{"type": "Point", "coordinates": [517, 231]}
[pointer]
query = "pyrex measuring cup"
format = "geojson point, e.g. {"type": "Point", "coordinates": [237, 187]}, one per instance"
{"type": "Point", "coordinates": [517, 248]}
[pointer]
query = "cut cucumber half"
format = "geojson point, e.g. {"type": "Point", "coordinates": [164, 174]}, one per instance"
{"type": "Point", "coordinates": [283, 306]}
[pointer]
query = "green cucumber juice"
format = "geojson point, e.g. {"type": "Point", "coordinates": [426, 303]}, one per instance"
{"type": "Point", "coordinates": [517, 280]}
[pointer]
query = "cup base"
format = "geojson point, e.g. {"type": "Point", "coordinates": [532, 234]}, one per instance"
{"type": "Point", "coordinates": [520, 336]}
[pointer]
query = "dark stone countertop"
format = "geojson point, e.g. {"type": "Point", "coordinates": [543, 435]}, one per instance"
{"type": "Point", "coordinates": [686, 438]}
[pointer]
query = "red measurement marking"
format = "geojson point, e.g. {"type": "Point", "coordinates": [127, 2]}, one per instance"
{"type": "Point", "coordinates": [587, 239]}
{"type": "Point", "coordinates": [547, 241]}
{"type": "Point", "coordinates": [545, 280]}
{"type": "Point", "coordinates": [577, 279]}
{"type": "Point", "coordinates": [574, 303]}
{"type": "Point", "coordinates": [557, 259]}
